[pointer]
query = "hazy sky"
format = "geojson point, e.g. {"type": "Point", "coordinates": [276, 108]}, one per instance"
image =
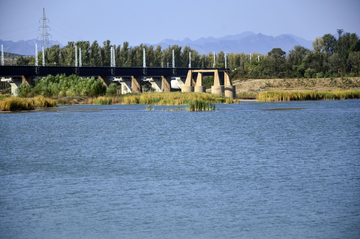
{"type": "Point", "coordinates": [143, 21]}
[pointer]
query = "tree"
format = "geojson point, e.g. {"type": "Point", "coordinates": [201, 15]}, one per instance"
{"type": "Point", "coordinates": [105, 53]}
{"type": "Point", "coordinates": [318, 44]}
{"type": "Point", "coordinates": [328, 42]}
{"type": "Point", "coordinates": [85, 52]}
{"type": "Point", "coordinates": [185, 56]}
{"type": "Point", "coordinates": [277, 60]}
{"type": "Point", "coordinates": [354, 61]}
{"type": "Point", "coordinates": [95, 54]}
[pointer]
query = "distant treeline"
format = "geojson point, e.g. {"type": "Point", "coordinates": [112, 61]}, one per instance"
{"type": "Point", "coordinates": [330, 57]}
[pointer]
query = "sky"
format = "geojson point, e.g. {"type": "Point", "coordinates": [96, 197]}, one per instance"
{"type": "Point", "coordinates": [143, 21]}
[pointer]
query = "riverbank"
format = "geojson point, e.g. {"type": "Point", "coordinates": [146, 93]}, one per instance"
{"type": "Point", "coordinates": [300, 84]}
{"type": "Point", "coordinates": [8, 103]}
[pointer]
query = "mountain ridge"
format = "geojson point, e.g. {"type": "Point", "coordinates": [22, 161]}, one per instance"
{"type": "Point", "coordinates": [246, 42]}
{"type": "Point", "coordinates": [25, 47]}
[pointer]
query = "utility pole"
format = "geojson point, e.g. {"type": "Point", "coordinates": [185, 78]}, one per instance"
{"type": "Point", "coordinates": [214, 60]}
{"type": "Point", "coordinates": [225, 56]}
{"type": "Point", "coordinates": [76, 58]}
{"type": "Point", "coordinates": [36, 55]}
{"type": "Point", "coordinates": [80, 62]}
{"type": "Point", "coordinates": [189, 59]}
{"type": "Point", "coordinates": [173, 59]}
{"type": "Point", "coordinates": [144, 58]}
{"type": "Point", "coordinates": [43, 55]}
{"type": "Point", "coordinates": [44, 35]}
{"type": "Point", "coordinates": [2, 54]}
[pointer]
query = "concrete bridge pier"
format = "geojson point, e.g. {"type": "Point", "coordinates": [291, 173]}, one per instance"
{"type": "Point", "coordinates": [199, 83]}
{"type": "Point", "coordinates": [129, 84]}
{"type": "Point", "coordinates": [160, 83]}
{"type": "Point", "coordinates": [217, 89]}
{"type": "Point", "coordinates": [177, 82]}
{"type": "Point", "coordinates": [135, 84]}
{"type": "Point", "coordinates": [228, 88]}
{"type": "Point", "coordinates": [165, 83]}
{"type": "Point", "coordinates": [16, 81]}
{"type": "Point", "coordinates": [188, 86]}
{"type": "Point", "coordinates": [106, 80]}
{"type": "Point", "coordinates": [155, 83]}
{"type": "Point", "coordinates": [125, 83]}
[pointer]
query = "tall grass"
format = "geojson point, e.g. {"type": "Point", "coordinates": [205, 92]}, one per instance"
{"type": "Point", "coordinates": [170, 98]}
{"type": "Point", "coordinates": [17, 103]}
{"type": "Point", "coordinates": [200, 105]}
{"type": "Point", "coordinates": [308, 95]}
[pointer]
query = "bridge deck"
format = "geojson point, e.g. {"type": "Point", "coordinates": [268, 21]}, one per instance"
{"type": "Point", "coordinates": [8, 71]}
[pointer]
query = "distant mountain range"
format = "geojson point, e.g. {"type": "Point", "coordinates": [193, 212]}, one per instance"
{"type": "Point", "coordinates": [247, 42]}
{"type": "Point", "coordinates": [22, 47]}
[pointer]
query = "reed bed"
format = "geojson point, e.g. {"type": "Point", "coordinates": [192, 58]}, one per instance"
{"type": "Point", "coordinates": [200, 105]}
{"type": "Point", "coordinates": [247, 95]}
{"type": "Point", "coordinates": [18, 103]}
{"type": "Point", "coordinates": [339, 94]}
{"type": "Point", "coordinates": [170, 98]}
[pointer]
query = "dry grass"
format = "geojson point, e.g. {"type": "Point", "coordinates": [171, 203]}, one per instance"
{"type": "Point", "coordinates": [338, 94]}
{"type": "Point", "coordinates": [17, 103]}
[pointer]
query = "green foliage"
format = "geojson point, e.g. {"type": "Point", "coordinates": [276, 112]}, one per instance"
{"type": "Point", "coordinates": [200, 105]}
{"type": "Point", "coordinates": [111, 90]}
{"type": "Point", "coordinates": [24, 90]}
{"type": "Point", "coordinates": [61, 85]}
{"type": "Point", "coordinates": [330, 57]}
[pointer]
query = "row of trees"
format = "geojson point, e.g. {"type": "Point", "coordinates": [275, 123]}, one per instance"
{"type": "Point", "coordinates": [330, 57]}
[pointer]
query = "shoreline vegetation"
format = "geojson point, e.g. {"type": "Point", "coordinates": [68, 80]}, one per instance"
{"type": "Point", "coordinates": [194, 101]}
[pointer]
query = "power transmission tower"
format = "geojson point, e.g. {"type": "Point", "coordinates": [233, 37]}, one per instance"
{"type": "Point", "coordinates": [44, 35]}
{"type": "Point", "coordinates": [340, 31]}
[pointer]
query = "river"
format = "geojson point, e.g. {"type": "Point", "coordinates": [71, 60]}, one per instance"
{"type": "Point", "coordinates": [249, 170]}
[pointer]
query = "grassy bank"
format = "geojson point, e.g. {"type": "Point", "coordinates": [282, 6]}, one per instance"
{"type": "Point", "coordinates": [270, 96]}
{"type": "Point", "coordinates": [8, 103]}
{"type": "Point", "coordinates": [155, 98]}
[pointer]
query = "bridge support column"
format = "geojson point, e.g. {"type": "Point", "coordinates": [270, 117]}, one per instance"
{"type": "Point", "coordinates": [217, 89]}
{"type": "Point", "coordinates": [229, 88]}
{"type": "Point", "coordinates": [165, 83]}
{"type": "Point", "coordinates": [14, 83]}
{"type": "Point", "coordinates": [155, 83]}
{"type": "Point", "coordinates": [125, 83]}
{"type": "Point", "coordinates": [106, 80]}
{"type": "Point", "coordinates": [199, 83]}
{"type": "Point", "coordinates": [135, 84]}
{"type": "Point", "coordinates": [188, 86]}
{"type": "Point", "coordinates": [27, 80]}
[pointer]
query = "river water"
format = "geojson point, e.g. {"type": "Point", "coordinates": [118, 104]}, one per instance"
{"type": "Point", "coordinates": [250, 170]}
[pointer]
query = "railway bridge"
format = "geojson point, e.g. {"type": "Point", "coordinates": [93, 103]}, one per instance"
{"type": "Point", "coordinates": [130, 78]}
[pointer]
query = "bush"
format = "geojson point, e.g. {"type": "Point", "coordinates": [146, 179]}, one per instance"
{"type": "Point", "coordinates": [24, 90]}
{"type": "Point", "coordinates": [111, 90]}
